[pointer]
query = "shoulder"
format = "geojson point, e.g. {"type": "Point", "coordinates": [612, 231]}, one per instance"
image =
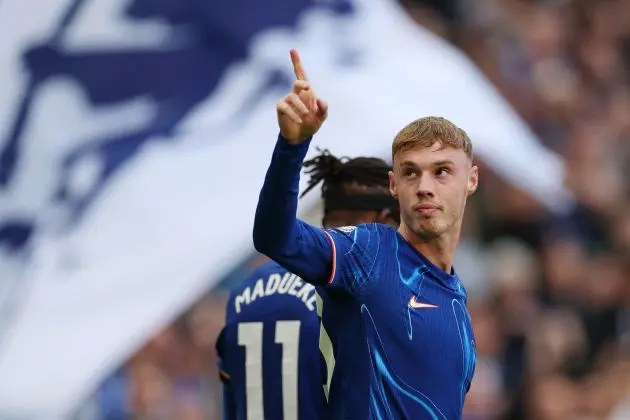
{"type": "Point", "coordinates": [360, 254]}
{"type": "Point", "coordinates": [461, 290]}
{"type": "Point", "coordinates": [268, 269]}
{"type": "Point", "coordinates": [247, 285]}
{"type": "Point", "coordinates": [368, 232]}
{"type": "Point", "coordinates": [261, 272]}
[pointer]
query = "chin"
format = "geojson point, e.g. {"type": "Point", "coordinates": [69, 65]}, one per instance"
{"type": "Point", "coordinates": [426, 231]}
{"type": "Point", "coordinates": [427, 235]}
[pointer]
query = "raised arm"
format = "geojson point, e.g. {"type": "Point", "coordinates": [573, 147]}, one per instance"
{"type": "Point", "coordinates": [299, 247]}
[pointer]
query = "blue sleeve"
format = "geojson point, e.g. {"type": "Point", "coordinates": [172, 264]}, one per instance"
{"type": "Point", "coordinates": [358, 256]}
{"type": "Point", "coordinates": [299, 247]}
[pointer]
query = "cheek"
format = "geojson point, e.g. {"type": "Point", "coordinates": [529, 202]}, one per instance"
{"type": "Point", "coordinates": [404, 191]}
{"type": "Point", "coordinates": [453, 200]}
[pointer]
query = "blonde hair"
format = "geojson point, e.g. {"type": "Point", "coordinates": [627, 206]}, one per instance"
{"type": "Point", "coordinates": [424, 132]}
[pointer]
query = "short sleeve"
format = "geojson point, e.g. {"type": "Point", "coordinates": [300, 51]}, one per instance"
{"type": "Point", "coordinates": [356, 251]}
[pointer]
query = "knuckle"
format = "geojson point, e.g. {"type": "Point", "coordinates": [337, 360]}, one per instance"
{"type": "Point", "coordinates": [302, 84]}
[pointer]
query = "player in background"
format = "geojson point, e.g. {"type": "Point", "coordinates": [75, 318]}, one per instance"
{"type": "Point", "coordinates": [269, 348]}
{"type": "Point", "coordinates": [400, 339]}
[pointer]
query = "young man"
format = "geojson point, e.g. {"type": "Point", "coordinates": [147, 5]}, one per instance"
{"type": "Point", "coordinates": [268, 350]}
{"type": "Point", "coordinates": [401, 343]}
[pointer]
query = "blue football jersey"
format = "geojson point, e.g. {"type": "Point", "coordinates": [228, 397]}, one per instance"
{"type": "Point", "coordinates": [397, 336]}
{"type": "Point", "coordinates": [268, 349]}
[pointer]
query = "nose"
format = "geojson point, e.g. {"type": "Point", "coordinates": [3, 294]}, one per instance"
{"type": "Point", "coordinates": [426, 187]}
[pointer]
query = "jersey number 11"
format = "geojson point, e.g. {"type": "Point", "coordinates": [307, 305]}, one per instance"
{"type": "Point", "coordinates": [250, 335]}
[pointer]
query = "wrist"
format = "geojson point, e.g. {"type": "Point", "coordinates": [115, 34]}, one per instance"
{"type": "Point", "coordinates": [294, 142]}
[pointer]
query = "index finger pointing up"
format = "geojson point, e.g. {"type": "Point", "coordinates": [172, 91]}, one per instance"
{"type": "Point", "coordinates": [298, 69]}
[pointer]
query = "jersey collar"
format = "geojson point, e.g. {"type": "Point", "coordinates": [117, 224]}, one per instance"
{"type": "Point", "coordinates": [450, 280]}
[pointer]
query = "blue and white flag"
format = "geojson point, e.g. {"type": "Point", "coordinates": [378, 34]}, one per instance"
{"type": "Point", "coordinates": [134, 137]}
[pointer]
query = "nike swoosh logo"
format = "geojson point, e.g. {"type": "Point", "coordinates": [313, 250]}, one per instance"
{"type": "Point", "coordinates": [420, 305]}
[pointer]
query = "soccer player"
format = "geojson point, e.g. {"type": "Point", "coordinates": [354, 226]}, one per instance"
{"type": "Point", "coordinates": [394, 309]}
{"type": "Point", "coordinates": [269, 348]}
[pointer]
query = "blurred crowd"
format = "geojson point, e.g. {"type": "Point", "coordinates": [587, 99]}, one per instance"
{"type": "Point", "coordinates": [549, 295]}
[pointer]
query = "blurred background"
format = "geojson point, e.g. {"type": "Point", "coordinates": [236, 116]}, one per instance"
{"type": "Point", "coordinates": [545, 252]}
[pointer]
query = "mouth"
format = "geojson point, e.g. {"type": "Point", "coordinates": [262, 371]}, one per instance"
{"type": "Point", "coordinates": [426, 209]}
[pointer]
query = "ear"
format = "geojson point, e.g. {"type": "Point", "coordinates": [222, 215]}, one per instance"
{"type": "Point", "coordinates": [392, 185]}
{"type": "Point", "coordinates": [473, 180]}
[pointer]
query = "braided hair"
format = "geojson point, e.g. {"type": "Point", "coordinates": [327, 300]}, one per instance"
{"type": "Point", "coordinates": [344, 179]}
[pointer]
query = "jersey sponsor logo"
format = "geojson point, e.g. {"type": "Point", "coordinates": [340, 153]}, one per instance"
{"type": "Point", "coordinates": [413, 303]}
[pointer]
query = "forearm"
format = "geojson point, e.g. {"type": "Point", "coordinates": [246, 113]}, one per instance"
{"type": "Point", "coordinates": [275, 221]}
{"type": "Point", "coordinates": [298, 246]}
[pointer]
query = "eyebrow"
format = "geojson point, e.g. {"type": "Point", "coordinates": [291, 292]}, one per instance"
{"type": "Point", "coordinates": [443, 162]}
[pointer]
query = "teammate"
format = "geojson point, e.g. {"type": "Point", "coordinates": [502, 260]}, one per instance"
{"type": "Point", "coordinates": [269, 348]}
{"type": "Point", "coordinates": [401, 343]}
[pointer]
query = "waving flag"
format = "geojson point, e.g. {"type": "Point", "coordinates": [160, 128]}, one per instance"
{"type": "Point", "coordinates": [134, 135]}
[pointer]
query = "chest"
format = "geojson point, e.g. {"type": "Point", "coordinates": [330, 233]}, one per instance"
{"type": "Point", "coordinates": [426, 332]}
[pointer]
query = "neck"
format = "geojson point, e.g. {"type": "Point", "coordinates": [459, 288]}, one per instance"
{"type": "Point", "coordinates": [440, 250]}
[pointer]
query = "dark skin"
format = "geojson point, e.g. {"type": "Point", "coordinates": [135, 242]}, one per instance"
{"type": "Point", "coordinates": [339, 218]}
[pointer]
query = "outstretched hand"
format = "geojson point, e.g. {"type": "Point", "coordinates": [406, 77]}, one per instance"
{"type": "Point", "coordinates": [301, 113]}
